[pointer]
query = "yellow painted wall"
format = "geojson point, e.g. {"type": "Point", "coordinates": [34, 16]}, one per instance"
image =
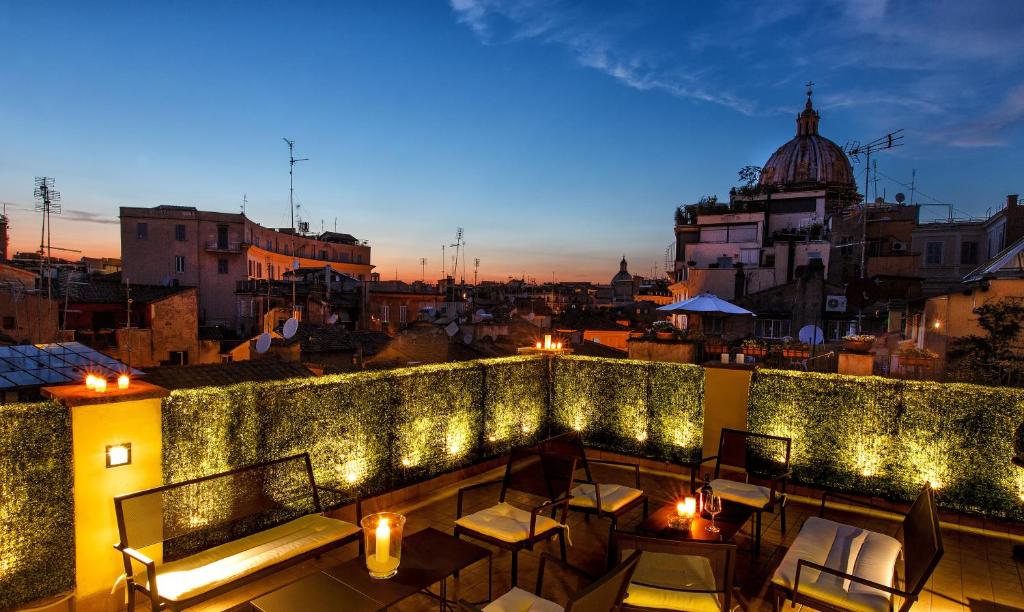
{"type": "Point", "coordinates": [952, 315]}
{"type": "Point", "coordinates": [94, 427]}
{"type": "Point", "coordinates": [613, 338]}
{"type": "Point", "coordinates": [726, 392]}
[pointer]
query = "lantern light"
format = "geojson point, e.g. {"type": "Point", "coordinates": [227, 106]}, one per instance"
{"type": "Point", "coordinates": [123, 381]}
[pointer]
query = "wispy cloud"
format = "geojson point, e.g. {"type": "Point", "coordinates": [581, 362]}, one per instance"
{"type": "Point", "coordinates": [922, 63]}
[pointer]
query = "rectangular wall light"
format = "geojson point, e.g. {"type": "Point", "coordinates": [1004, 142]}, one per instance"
{"type": "Point", "coordinates": [119, 454]}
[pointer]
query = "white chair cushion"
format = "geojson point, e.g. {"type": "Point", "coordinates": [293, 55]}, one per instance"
{"type": "Point", "coordinates": [505, 522]}
{"type": "Point", "coordinates": [518, 600]}
{"type": "Point", "coordinates": [613, 496]}
{"type": "Point", "coordinates": [741, 492]}
{"type": "Point", "coordinates": [672, 572]}
{"type": "Point", "coordinates": [209, 569]}
{"type": "Point", "coordinates": [856, 551]}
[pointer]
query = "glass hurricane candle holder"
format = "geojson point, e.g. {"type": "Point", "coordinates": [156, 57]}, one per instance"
{"type": "Point", "coordinates": [382, 535]}
{"type": "Point", "coordinates": [685, 512]}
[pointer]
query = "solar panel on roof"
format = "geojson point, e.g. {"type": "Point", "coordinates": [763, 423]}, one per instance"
{"type": "Point", "coordinates": [27, 365]}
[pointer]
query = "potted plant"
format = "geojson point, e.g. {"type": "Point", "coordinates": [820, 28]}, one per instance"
{"type": "Point", "coordinates": [664, 330]}
{"type": "Point", "coordinates": [858, 343]}
{"type": "Point", "coordinates": [755, 347]}
{"type": "Point", "coordinates": [913, 356]}
{"type": "Point", "coordinates": [794, 349]}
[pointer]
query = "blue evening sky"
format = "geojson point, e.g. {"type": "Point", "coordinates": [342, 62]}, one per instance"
{"type": "Point", "coordinates": [560, 135]}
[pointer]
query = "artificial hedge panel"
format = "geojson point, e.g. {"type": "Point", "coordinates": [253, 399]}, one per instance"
{"type": "Point", "coordinates": [37, 539]}
{"type": "Point", "coordinates": [515, 403]}
{"type": "Point", "coordinates": [438, 424]}
{"type": "Point", "coordinates": [887, 437]}
{"type": "Point", "coordinates": [676, 411]}
{"type": "Point", "coordinates": [633, 407]}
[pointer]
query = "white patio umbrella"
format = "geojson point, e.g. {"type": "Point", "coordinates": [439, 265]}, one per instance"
{"type": "Point", "coordinates": [705, 303]}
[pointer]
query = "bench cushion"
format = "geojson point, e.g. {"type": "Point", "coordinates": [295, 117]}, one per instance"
{"type": "Point", "coordinates": [185, 578]}
{"type": "Point", "coordinates": [613, 496]}
{"type": "Point", "coordinates": [671, 572]}
{"type": "Point", "coordinates": [741, 492]}
{"type": "Point", "coordinates": [856, 551]}
{"type": "Point", "coordinates": [518, 600]}
{"type": "Point", "coordinates": [505, 522]}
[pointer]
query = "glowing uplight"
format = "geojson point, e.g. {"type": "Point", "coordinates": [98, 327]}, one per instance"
{"type": "Point", "coordinates": [492, 438]}
{"type": "Point", "coordinates": [406, 461]}
{"type": "Point", "coordinates": [937, 324]}
{"type": "Point", "coordinates": [641, 437]}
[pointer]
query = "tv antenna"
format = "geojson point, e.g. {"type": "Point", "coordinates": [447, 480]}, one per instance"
{"type": "Point", "coordinates": [459, 244]}
{"type": "Point", "coordinates": [245, 200]}
{"type": "Point", "coordinates": [855, 150]}
{"type": "Point", "coordinates": [423, 269]}
{"type": "Point", "coordinates": [47, 202]}
{"type": "Point", "coordinates": [291, 177]}
{"type": "Point", "coordinates": [476, 268]}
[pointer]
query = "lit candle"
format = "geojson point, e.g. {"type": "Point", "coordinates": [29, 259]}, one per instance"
{"type": "Point", "coordinates": [122, 381]}
{"type": "Point", "coordinates": [689, 506]}
{"type": "Point", "coordinates": [383, 542]}
{"type": "Point", "coordinates": [101, 384]}
{"type": "Point", "coordinates": [559, 346]}
{"type": "Point", "coordinates": [90, 382]}
{"type": "Point", "coordinates": [547, 341]}
{"type": "Point", "coordinates": [538, 344]}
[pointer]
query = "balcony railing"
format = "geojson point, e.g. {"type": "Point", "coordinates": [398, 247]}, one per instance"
{"type": "Point", "coordinates": [224, 247]}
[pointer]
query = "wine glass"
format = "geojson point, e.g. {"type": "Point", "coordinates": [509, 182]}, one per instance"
{"type": "Point", "coordinates": [713, 505]}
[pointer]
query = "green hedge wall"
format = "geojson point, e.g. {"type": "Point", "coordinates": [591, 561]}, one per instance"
{"type": "Point", "coordinates": [37, 539]}
{"type": "Point", "coordinates": [641, 408]}
{"type": "Point", "coordinates": [887, 437]}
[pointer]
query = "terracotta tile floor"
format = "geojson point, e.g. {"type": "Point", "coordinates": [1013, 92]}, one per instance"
{"type": "Point", "coordinates": [976, 573]}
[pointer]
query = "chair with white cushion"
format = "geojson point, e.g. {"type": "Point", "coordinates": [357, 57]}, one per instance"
{"type": "Point", "coordinates": [747, 453]}
{"type": "Point", "coordinates": [531, 476]}
{"type": "Point", "coordinates": [603, 595]}
{"type": "Point", "coordinates": [590, 497]}
{"type": "Point", "coordinates": [833, 566]}
{"type": "Point", "coordinates": [677, 574]}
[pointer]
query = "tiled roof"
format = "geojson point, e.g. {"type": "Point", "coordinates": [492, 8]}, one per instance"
{"type": "Point", "coordinates": [220, 374]}
{"type": "Point", "coordinates": [103, 292]}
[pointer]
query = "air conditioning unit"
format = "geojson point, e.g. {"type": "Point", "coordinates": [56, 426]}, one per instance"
{"type": "Point", "coordinates": [835, 303]}
{"type": "Point", "coordinates": [899, 247]}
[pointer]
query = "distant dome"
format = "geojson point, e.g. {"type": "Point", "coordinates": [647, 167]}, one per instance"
{"type": "Point", "coordinates": [623, 275]}
{"type": "Point", "coordinates": [807, 159]}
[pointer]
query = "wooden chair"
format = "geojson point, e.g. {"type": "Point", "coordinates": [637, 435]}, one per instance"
{"type": "Point", "coordinates": [538, 476]}
{"type": "Point", "coordinates": [590, 497]}
{"type": "Point", "coordinates": [769, 458]}
{"type": "Point", "coordinates": [677, 574]}
{"type": "Point", "coordinates": [604, 594]}
{"type": "Point", "coordinates": [833, 566]}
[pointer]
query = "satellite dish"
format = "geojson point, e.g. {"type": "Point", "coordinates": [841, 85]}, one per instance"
{"type": "Point", "coordinates": [263, 342]}
{"type": "Point", "coordinates": [467, 339]}
{"type": "Point", "coordinates": [900, 198]}
{"type": "Point", "coordinates": [530, 317]}
{"type": "Point", "coordinates": [811, 334]}
{"type": "Point", "coordinates": [290, 327]}
{"type": "Point", "coordinates": [331, 320]}
{"type": "Point", "coordinates": [451, 329]}
{"type": "Point", "coordinates": [295, 264]}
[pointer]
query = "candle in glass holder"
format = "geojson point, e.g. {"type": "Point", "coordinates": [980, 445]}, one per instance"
{"type": "Point", "coordinates": [123, 381]}
{"type": "Point", "coordinates": [90, 382]}
{"type": "Point", "coordinates": [100, 385]}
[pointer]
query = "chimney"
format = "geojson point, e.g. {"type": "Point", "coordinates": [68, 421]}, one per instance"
{"type": "Point", "coordinates": [1011, 200]}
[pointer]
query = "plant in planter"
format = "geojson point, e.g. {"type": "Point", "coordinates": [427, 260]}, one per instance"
{"type": "Point", "coordinates": [858, 343]}
{"type": "Point", "coordinates": [913, 356]}
{"type": "Point", "coordinates": [794, 349]}
{"type": "Point", "coordinates": [664, 330]}
{"type": "Point", "coordinates": [755, 347]}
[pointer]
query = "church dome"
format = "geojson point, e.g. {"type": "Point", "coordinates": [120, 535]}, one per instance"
{"type": "Point", "coordinates": [808, 159]}
{"type": "Point", "coordinates": [623, 275]}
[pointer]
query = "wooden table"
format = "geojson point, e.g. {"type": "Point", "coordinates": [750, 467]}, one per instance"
{"type": "Point", "coordinates": [428, 557]}
{"type": "Point", "coordinates": [729, 521]}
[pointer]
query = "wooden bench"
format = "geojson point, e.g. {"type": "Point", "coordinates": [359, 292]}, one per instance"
{"type": "Point", "coordinates": [226, 529]}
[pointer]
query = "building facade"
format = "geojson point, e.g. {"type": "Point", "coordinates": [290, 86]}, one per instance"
{"type": "Point", "coordinates": [213, 251]}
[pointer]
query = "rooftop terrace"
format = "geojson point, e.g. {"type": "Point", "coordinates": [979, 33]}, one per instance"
{"type": "Point", "coordinates": [406, 439]}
